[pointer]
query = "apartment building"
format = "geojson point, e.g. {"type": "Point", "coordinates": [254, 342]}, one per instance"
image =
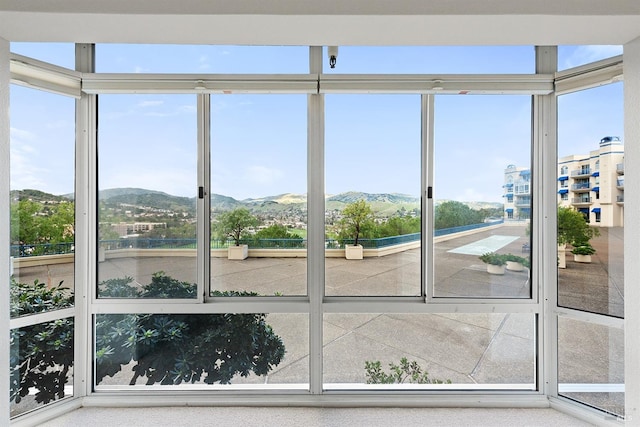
{"type": "Point", "coordinates": [593, 183]}
{"type": "Point", "coordinates": [517, 193]}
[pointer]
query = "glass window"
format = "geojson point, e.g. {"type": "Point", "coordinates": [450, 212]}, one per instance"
{"type": "Point", "coordinates": [42, 160]}
{"type": "Point", "coordinates": [591, 364]}
{"type": "Point", "coordinates": [589, 125]}
{"type": "Point", "coordinates": [62, 54]}
{"type": "Point", "coordinates": [482, 196]}
{"type": "Point", "coordinates": [258, 200]}
{"type": "Point", "coordinates": [147, 196]}
{"type": "Point", "coordinates": [41, 369]}
{"type": "Point", "coordinates": [201, 349]}
{"type": "Point", "coordinates": [468, 351]}
{"type": "Point", "coordinates": [201, 59]}
{"type": "Point", "coordinates": [574, 56]}
{"type": "Point", "coordinates": [432, 59]}
{"type": "Point", "coordinates": [372, 205]}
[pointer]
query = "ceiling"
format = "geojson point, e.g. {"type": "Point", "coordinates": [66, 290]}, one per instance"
{"type": "Point", "coordinates": [323, 22]}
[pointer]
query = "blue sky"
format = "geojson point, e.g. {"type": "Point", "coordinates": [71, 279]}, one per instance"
{"type": "Point", "coordinates": [259, 141]}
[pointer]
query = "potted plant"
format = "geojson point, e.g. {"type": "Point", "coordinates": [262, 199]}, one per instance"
{"type": "Point", "coordinates": [232, 225]}
{"type": "Point", "coordinates": [515, 262]}
{"type": "Point", "coordinates": [583, 253]}
{"type": "Point", "coordinates": [357, 218]}
{"type": "Point", "coordinates": [573, 229]}
{"type": "Point", "coordinates": [495, 262]}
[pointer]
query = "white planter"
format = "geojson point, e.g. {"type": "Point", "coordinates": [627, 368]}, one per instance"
{"type": "Point", "coordinates": [353, 251]}
{"type": "Point", "coordinates": [514, 266]}
{"type": "Point", "coordinates": [582, 258]}
{"type": "Point", "coordinates": [238, 252]}
{"type": "Point", "coordinates": [495, 269]}
{"type": "Point", "coordinates": [562, 256]}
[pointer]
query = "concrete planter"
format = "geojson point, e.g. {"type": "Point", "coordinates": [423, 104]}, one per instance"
{"type": "Point", "coordinates": [353, 251]}
{"type": "Point", "coordinates": [238, 252]}
{"type": "Point", "coordinates": [495, 269]}
{"type": "Point", "coordinates": [514, 266]}
{"type": "Point", "coordinates": [562, 256]}
{"type": "Point", "coordinates": [582, 258]}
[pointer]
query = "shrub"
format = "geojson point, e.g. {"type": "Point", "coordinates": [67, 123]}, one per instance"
{"type": "Point", "coordinates": [493, 258]}
{"type": "Point", "coordinates": [583, 250]}
{"type": "Point", "coordinates": [404, 372]}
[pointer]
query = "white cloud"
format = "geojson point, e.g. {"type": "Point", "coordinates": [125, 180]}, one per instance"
{"type": "Point", "coordinates": [145, 104]}
{"type": "Point", "coordinates": [586, 54]}
{"type": "Point", "coordinates": [19, 135]}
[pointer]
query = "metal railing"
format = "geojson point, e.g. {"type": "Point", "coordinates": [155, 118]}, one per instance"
{"type": "Point", "coordinates": [20, 251]}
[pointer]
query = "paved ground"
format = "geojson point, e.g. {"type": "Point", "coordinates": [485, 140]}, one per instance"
{"type": "Point", "coordinates": [487, 349]}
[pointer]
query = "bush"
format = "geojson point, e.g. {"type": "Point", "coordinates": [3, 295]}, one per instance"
{"type": "Point", "coordinates": [493, 258]}
{"type": "Point", "coordinates": [404, 372]}
{"type": "Point", "coordinates": [583, 250]}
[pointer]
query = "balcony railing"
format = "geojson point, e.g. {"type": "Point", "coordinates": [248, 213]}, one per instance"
{"type": "Point", "coordinates": [19, 251]}
{"type": "Point", "coordinates": [620, 199]}
{"type": "Point", "coordinates": [581, 200]}
{"type": "Point", "coordinates": [585, 186]}
{"type": "Point", "coordinates": [620, 168]}
{"type": "Point", "coordinates": [580, 172]}
{"type": "Point", "coordinates": [620, 183]}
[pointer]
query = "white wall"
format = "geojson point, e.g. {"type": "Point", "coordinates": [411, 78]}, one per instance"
{"type": "Point", "coordinates": [632, 230]}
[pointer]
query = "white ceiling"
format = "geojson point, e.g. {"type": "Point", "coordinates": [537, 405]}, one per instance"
{"type": "Point", "coordinates": [323, 22]}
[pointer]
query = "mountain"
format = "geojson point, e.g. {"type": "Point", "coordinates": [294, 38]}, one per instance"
{"type": "Point", "coordinates": [37, 196]}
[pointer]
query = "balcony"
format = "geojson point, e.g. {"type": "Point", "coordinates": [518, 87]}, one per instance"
{"type": "Point", "coordinates": [620, 168]}
{"type": "Point", "coordinates": [581, 172]}
{"type": "Point", "coordinates": [620, 200]}
{"type": "Point", "coordinates": [582, 187]}
{"type": "Point", "coordinates": [581, 201]}
{"type": "Point", "coordinates": [620, 184]}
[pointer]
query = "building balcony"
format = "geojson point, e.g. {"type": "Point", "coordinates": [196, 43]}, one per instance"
{"type": "Point", "coordinates": [620, 200]}
{"type": "Point", "coordinates": [582, 187]}
{"type": "Point", "coordinates": [620, 168]}
{"type": "Point", "coordinates": [620, 184]}
{"type": "Point", "coordinates": [581, 201]}
{"type": "Point", "coordinates": [580, 172]}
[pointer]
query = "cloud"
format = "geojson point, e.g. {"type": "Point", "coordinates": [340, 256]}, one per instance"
{"type": "Point", "coordinates": [586, 54]}
{"type": "Point", "coordinates": [145, 104]}
{"type": "Point", "coordinates": [19, 135]}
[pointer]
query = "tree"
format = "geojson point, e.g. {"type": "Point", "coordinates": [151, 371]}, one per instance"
{"type": "Point", "coordinates": [233, 223]}
{"type": "Point", "coordinates": [573, 228]}
{"type": "Point", "coordinates": [357, 219]}
{"type": "Point", "coordinates": [455, 214]}
{"type": "Point", "coordinates": [166, 348]}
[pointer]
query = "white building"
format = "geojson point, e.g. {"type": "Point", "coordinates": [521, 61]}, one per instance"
{"type": "Point", "coordinates": [594, 183]}
{"type": "Point", "coordinates": [517, 193]}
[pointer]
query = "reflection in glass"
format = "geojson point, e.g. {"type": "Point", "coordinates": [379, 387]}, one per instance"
{"type": "Point", "coordinates": [42, 190]}
{"type": "Point", "coordinates": [575, 56]}
{"type": "Point", "coordinates": [41, 364]}
{"type": "Point", "coordinates": [147, 196]}
{"type": "Point", "coordinates": [467, 350]}
{"type": "Point", "coordinates": [591, 364]}
{"type": "Point", "coordinates": [204, 349]}
{"type": "Point", "coordinates": [372, 205]}
{"type": "Point", "coordinates": [482, 197]}
{"type": "Point", "coordinates": [591, 200]}
{"type": "Point", "coordinates": [259, 194]}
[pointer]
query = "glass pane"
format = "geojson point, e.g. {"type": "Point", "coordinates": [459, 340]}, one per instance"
{"type": "Point", "coordinates": [432, 59]}
{"type": "Point", "coordinates": [482, 197]}
{"type": "Point", "coordinates": [201, 59]}
{"type": "Point", "coordinates": [147, 196]}
{"type": "Point", "coordinates": [42, 192]}
{"type": "Point", "coordinates": [463, 351]}
{"type": "Point", "coordinates": [591, 364]}
{"type": "Point", "coordinates": [591, 200]}
{"type": "Point", "coordinates": [259, 194]}
{"type": "Point", "coordinates": [372, 207]}
{"type": "Point", "coordinates": [574, 56]}
{"type": "Point", "coordinates": [201, 349]}
{"type": "Point", "coordinates": [61, 54]}
{"type": "Point", "coordinates": [41, 364]}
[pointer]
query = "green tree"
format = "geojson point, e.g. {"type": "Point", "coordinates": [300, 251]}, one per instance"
{"type": "Point", "coordinates": [573, 228]}
{"type": "Point", "coordinates": [398, 225]}
{"type": "Point", "coordinates": [232, 224]}
{"type": "Point", "coordinates": [357, 220]}
{"type": "Point", "coordinates": [275, 231]}
{"type": "Point", "coordinates": [455, 214]}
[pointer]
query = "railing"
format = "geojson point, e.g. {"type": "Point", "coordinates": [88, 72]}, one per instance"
{"type": "Point", "coordinates": [584, 186]}
{"type": "Point", "coordinates": [620, 183]}
{"type": "Point", "coordinates": [620, 168]}
{"type": "Point", "coordinates": [620, 199]}
{"type": "Point", "coordinates": [579, 172]}
{"type": "Point", "coordinates": [20, 251]}
{"type": "Point", "coordinates": [579, 200]}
